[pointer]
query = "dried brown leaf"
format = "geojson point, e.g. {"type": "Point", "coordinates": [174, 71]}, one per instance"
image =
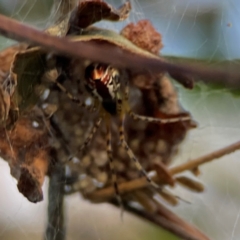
{"type": "Point", "coordinates": [88, 12]}
{"type": "Point", "coordinates": [143, 35]}
{"type": "Point", "coordinates": [26, 148]}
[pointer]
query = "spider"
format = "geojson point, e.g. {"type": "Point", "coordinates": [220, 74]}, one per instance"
{"type": "Point", "coordinates": [110, 90]}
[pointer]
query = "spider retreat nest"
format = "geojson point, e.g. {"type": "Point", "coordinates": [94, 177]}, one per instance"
{"type": "Point", "coordinates": [45, 128]}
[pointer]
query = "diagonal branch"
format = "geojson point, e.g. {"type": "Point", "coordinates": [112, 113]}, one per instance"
{"type": "Point", "coordinates": [169, 221]}
{"type": "Point", "coordinates": [136, 184]}
{"type": "Point", "coordinates": [111, 54]}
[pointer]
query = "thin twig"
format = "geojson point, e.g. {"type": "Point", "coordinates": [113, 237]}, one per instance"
{"type": "Point", "coordinates": [206, 158]}
{"type": "Point", "coordinates": [111, 54]}
{"type": "Point", "coordinates": [139, 183]}
{"type": "Point", "coordinates": [56, 227]}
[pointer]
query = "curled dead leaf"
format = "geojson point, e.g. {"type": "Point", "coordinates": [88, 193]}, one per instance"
{"type": "Point", "coordinates": [143, 35]}
{"type": "Point", "coordinates": [26, 148]}
{"type": "Point", "coordinates": [88, 12]}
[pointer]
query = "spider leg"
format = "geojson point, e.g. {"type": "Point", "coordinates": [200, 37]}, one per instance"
{"type": "Point", "coordinates": [123, 141]}
{"type": "Point", "coordinates": [90, 136]}
{"type": "Point", "coordinates": [136, 116]}
{"type": "Point", "coordinates": [132, 156]}
{"type": "Point", "coordinates": [72, 97]}
{"type": "Point", "coordinates": [111, 165]}
{"type": "Point", "coordinates": [157, 120]}
{"type": "Point", "coordinates": [92, 132]}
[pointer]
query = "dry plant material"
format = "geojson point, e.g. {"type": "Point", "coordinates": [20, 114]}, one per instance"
{"type": "Point", "coordinates": [7, 85]}
{"type": "Point", "coordinates": [163, 173]}
{"type": "Point", "coordinates": [152, 95]}
{"type": "Point", "coordinates": [190, 184]}
{"type": "Point", "coordinates": [88, 50]}
{"type": "Point", "coordinates": [28, 68]}
{"type": "Point", "coordinates": [171, 222]}
{"type": "Point", "coordinates": [143, 35]}
{"type": "Point", "coordinates": [88, 12]}
{"type": "Point", "coordinates": [26, 148]}
{"type": "Point", "coordinates": [34, 139]}
{"type": "Point", "coordinates": [7, 56]}
{"type": "Point", "coordinates": [104, 194]}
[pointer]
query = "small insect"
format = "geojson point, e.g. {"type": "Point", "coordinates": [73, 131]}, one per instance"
{"type": "Point", "coordinates": [110, 90]}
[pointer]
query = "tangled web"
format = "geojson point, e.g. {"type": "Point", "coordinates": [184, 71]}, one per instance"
{"type": "Point", "coordinates": [207, 30]}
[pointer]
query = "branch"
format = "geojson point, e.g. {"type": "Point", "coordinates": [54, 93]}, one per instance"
{"type": "Point", "coordinates": [108, 193]}
{"type": "Point", "coordinates": [169, 221]}
{"type": "Point", "coordinates": [56, 226]}
{"type": "Point", "coordinates": [112, 54]}
{"type": "Point", "coordinates": [204, 159]}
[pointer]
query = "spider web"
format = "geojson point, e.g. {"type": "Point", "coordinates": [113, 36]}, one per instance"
{"type": "Point", "coordinates": [205, 29]}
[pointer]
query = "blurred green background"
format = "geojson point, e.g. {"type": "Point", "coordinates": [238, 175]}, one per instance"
{"type": "Point", "coordinates": [207, 29]}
